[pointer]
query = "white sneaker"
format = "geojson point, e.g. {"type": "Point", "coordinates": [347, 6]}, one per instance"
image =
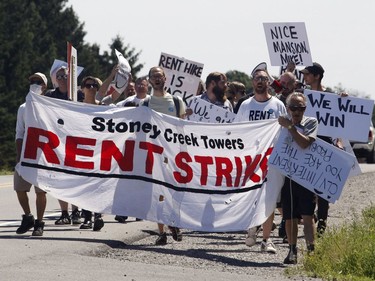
{"type": "Point", "coordinates": [251, 237]}
{"type": "Point", "coordinates": [268, 247]}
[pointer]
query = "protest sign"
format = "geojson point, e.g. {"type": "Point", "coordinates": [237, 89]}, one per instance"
{"type": "Point", "coordinates": [121, 80]}
{"type": "Point", "coordinates": [344, 117]}
{"type": "Point", "coordinates": [287, 42]}
{"type": "Point", "coordinates": [72, 72]}
{"type": "Point", "coordinates": [204, 111]}
{"type": "Point", "coordinates": [182, 76]}
{"type": "Point", "coordinates": [137, 162]}
{"type": "Point", "coordinates": [321, 168]}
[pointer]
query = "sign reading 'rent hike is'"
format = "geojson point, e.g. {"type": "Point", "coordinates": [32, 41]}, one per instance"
{"type": "Point", "coordinates": [287, 42]}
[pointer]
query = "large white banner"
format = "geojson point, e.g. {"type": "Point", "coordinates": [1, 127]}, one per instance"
{"type": "Point", "coordinates": [321, 168]}
{"type": "Point", "coordinates": [137, 162]}
{"type": "Point", "coordinates": [343, 117]}
{"type": "Point", "coordinates": [182, 76]}
{"type": "Point", "coordinates": [287, 41]}
{"type": "Point", "coordinates": [204, 111]}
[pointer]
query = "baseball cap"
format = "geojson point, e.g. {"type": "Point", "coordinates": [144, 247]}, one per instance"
{"type": "Point", "coordinates": [314, 69]}
{"type": "Point", "coordinates": [40, 76]}
{"type": "Point", "coordinates": [261, 66]}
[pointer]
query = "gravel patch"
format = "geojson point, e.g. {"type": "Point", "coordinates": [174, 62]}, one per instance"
{"type": "Point", "coordinates": [227, 252]}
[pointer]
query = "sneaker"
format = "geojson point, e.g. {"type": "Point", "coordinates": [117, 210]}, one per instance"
{"type": "Point", "coordinates": [251, 238]}
{"type": "Point", "coordinates": [137, 219]}
{"type": "Point", "coordinates": [38, 228]}
{"type": "Point", "coordinates": [162, 239]}
{"type": "Point", "coordinates": [268, 247]}
{"type": "Point", "coordinates": [86, 225]}
{"type": "Point", "coordinates": [76, 217]}
{"type": "Point", "coordinates": [121, 219]}
{"type": "Point", "coordinates": [291, 258]}
{"type": "Point", "coordinates": [321, 227]}
{"type": "Point", "coordinates": [176, 233]}
{"type": "Point", "coordinates": [27, 223]}
{"type": "Point", "coordinates": [64, 219]}
{"type": "Point", "coordinates": [98, 224]}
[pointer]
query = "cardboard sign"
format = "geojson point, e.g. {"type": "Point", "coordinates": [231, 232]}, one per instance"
{"type": "Point", "coordinates": [204, 111]}
{"type": "Point", "coordinates": [72, 72]}
{"type": "Point", "coordinates": [340, 117]}
{"type": "Point", "coordinates": [287, 42]}
{"type": "Point", "coordinates": [182, 76]}
{"type": "Point", "coordinates": [321, 168]}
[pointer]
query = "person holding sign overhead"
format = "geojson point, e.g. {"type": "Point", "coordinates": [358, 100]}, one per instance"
{"type": "Point", "coordinates": [297, 200]}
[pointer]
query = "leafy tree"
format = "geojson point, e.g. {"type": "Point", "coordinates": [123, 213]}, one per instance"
{"type": "Point", "coordinates": [234, 75]}
{"type": "Point", "coordinates": [33, 34]}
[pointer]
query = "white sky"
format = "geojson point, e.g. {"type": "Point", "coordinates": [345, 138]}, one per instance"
{"type": "Point", "coordinates": [229, 35]}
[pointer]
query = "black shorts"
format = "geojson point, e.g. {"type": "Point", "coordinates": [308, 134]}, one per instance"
{"type": "Point", "coordinates": [296, 200]}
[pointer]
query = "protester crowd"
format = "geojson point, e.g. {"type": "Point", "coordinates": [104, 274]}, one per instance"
{"type": "Point", "coordinates": [282, 99]}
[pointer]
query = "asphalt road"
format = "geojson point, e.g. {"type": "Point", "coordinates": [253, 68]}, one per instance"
{"type": "Point", "coordinates": [68, 253]}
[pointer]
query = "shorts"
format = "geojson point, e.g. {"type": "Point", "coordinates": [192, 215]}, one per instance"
{"type": "Point", "coordinates": [296, 200]}
{"type": "Point", "coordinates": [21, 185]}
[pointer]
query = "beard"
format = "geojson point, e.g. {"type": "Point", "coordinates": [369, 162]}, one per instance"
{"type": "Point", "coordinates": [219, 93]}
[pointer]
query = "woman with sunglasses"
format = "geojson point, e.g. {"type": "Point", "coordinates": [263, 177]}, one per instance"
{"type": "Point", "coordinates": [297, 200]}
{"type": "Point", "coordinates": [89, 86]}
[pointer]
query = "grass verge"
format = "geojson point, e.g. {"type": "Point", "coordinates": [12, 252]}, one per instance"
{"type": "Point", "coordinates": [344, 253]}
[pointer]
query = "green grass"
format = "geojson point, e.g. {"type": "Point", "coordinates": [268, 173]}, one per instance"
{"type": "Point", "coordinates": [345, 253]}
{"type": "Point", "coordinates": [5, 172]}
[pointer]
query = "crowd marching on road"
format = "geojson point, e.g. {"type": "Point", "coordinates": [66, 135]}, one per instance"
{"type": "Point", "coordinates": [286, 104]}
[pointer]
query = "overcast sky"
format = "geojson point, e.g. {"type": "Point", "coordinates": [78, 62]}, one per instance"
{"type": "Point", "coordinates": [229, 35]}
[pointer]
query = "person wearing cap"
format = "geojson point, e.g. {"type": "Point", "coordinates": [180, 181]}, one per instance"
{"type": "Point", "coordinates": [60, 75]}
{"type": "Point", "coordinates": [38, 84]}
{"type": "Point", "coordinates": [313, 76]}
{"type": "Point", "coordinates": [261, 106]}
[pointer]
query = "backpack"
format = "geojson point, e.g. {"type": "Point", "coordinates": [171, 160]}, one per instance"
{"type": "Point", "coordinates": [176, 105]}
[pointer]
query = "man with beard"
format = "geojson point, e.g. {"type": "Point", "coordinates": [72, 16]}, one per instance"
{"type": "Point", "coordinates": [216, 85]}
{"type": "Point", "coordinates": [163, 102]}
{"type": "Point", "coordinates": [262, 105]}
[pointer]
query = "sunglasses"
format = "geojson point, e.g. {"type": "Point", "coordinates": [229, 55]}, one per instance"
{"type": "Point", "coordinates": [260, 78]}
{"type": "Point", "coordinates": [37, 82]}
{"type": "Point", "coordinates": [90, 86]}
{"type": "Point", "coordinates": [295, 108]}
{"type": "Point", "coordinates": [60, 77]}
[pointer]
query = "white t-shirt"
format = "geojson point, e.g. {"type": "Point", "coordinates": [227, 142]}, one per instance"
{"type": "Point", "coordinates": [251, 110]}
{"type": "Point", "coordinates": [20, 125]}
{"type": "Point", "coordinates": [132, 99]}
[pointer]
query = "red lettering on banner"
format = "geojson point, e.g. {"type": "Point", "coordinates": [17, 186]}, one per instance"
{"type": "Point", "coordinates": [72, 150]}
{"type": "Point", "coordinates": [264, 163]}
{"type": "Point", "coordinates": [224, 167]}
{"type": "Point", "coordinates": [204, 161]}
{"type": "Point", "coordinates": [181, 160]}
{"type": "Point", "coordinates": [151, 149]}
{"type": "Point", "coordinates": [250, 168]}
{"type": "Point", "coordinates": [33, 143]}
{"type": "Point", "coordinates": [110, 150]}
{"type": "Point", "coordinates": [238, 170]}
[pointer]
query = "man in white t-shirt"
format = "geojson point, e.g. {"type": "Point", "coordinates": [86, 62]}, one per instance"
{"type": "Point", "coordinates": [38, 85]}
{"type": "Point", "coordinates": [262, 105]}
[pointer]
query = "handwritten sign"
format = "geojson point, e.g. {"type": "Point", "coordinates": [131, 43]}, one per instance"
{"type": "Point", "coordinates": [344, 117]}
{"type": "Point", "coordinates": [182, 76]}
{"type": "Point", "coordinates": [321, 168]}
{"type": "Point", "coordinates": [287, 42]}
{"type": "Point", "coordinates": [204, 111]}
